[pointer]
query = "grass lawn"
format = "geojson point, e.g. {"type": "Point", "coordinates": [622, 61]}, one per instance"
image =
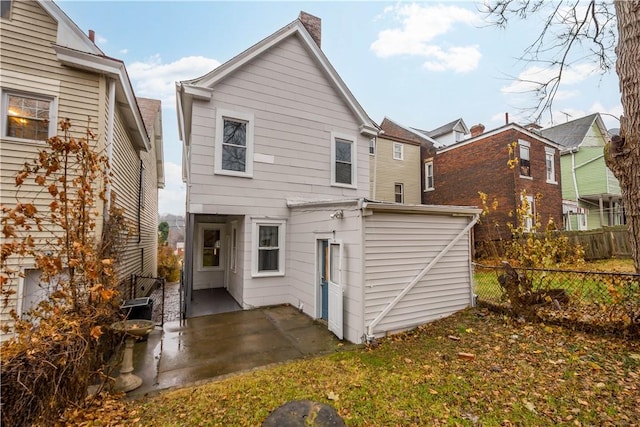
{"type": "Point", "coordinates": [521, 374]}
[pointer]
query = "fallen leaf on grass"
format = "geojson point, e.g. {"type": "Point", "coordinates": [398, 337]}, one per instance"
{"type": "Point", "coordinates": [466, 356]}
{"type": "Point", "coordinates": [332, 396]}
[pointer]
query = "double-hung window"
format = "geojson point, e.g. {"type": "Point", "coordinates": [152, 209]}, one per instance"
{"type": "Point", "coordinates": [268, 248]}
{"type": "Point", "coordinates": [549, 154]}
{"type": "Point", "coordinates": [234, 143]}
{"type": "Point", "coordinates": [399, 192]}
{"type": "Point", "coordinates": [398, 151]}
{"type": "Point", "coordinates": [343, 161]}
{"type": "Point", "coordinates": [525, 159]}
{"type": "Point", "coordinates": [372, 146]}
{"type": "Point", "coordinates": [428, 175]}
{"type": "Point", "coordinates": [27, 116]}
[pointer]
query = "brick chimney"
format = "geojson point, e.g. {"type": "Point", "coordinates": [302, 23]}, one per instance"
{"type": "Point", "coordinates": [477, 130]}
{"type": "Point", "coordinates": [92, 36]}
{"type": "Point", "coordinates": [313, 26]}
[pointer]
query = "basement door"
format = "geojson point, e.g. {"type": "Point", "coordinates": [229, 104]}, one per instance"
{"type": "Point", "coordinates": [336, 291]}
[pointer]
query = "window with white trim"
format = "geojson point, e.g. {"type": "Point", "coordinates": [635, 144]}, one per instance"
{"type": "Point", "coordinates": [268, 248]}
{"type": "Point", "coordinates": [399, 192]}
{"type": "Point", "coordinates": [372, 146]}
{"type": "Point", "coordinates": [529, 215]}
{"type": "Point", "coordinates": [210, 247]}
{"type": "Point", "coordinates": [525, 158]}
{"type": "Point", "coordinates": [398, 151]}
{"type": "Point", "coordinates": [428, 175]}
{"type": "Point", "coordinates": [550, 162]}
{"type": "Point", "coordinates": [27, 116]}
{"type": "Point", "coordinates": [343, 160]}
{"type": "Point", "coordinates": [234, 143]}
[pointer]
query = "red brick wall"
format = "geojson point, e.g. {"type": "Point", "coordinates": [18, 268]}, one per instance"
{"type": "Point", "coordinates": [460, 173]}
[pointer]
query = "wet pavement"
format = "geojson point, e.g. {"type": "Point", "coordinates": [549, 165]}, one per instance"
{"type": "Point", "coordinates": [199, 349]}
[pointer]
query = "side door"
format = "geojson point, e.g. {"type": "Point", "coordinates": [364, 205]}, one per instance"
{"type": "Point", "coordinates": [336, 290]}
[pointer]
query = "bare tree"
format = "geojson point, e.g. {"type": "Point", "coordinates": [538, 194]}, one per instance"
{"type": "Point", "coordinates": [570, 28]}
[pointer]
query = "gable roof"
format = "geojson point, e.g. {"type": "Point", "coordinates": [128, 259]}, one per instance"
{"type": "Point", "coordinates": [509, 126]}
{"type": "Point", "coordinates": [448, 128]}
{"type": "Point", "coordinates": [392, 128]}
{"type": "Point", "coordinates": [572, 134]}
{"type": "Point", "coordinates": [201, 87]}
{"type": "Point", "coordinates": [74, 48]}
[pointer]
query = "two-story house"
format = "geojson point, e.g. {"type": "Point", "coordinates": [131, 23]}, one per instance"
{"type": "Point", "coordinates": [276, 153]}
{"type": "Point", "coordinates": [591, 193]}
{"type": "Point", "coordinates": [49, 71]}
{"type": "Point", "coordinates": [481, 164]}
{"type": "Point", "coordinates": [394, 164]}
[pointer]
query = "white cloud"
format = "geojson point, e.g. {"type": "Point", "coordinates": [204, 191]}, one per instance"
{"type": "Point", "coordinates": [171, 199]}
{"type": "Point", "coordinates": [154, 79]}
{"type": "Point", "coordinates": [124, 51]}
{"type": "Point", "coordinates": [100, 40]}
{"type": "Point", "coordinates": [419, 27]}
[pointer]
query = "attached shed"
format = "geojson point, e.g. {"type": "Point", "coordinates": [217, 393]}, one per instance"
{"type": "Point", "coordinates": [379, 268]}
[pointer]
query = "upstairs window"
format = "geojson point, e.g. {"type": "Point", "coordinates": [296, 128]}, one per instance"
{"type": "Point", "coordinates": [372, 146]}
{"type": "Point", "coordinates": [343, 161]}
{"type": "Point", "coordinates": [234, 144]}
{"type": "Point", "coordinates": [525, 161]}
{"type": "Point", "coordinates": [27, 116]}
{"type": "Point", "coordinates": [398, 151]}
{"type": "Point", "coordinates": [550, 164]}
{"type": "Point", "coordinates": [428, 175]}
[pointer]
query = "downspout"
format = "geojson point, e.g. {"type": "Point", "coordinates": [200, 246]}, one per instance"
{"type": "Point", "coordinates": [375, 169]}
{"type": "Point", "coordinates": [110, 125]}
{"type": "Point", "coordinates": [405, 291]}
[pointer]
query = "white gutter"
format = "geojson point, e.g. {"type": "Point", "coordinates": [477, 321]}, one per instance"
{"type": "Point", "coordinates": [419, 277]}
{"type": "Point", "coordinates": [110, 124]}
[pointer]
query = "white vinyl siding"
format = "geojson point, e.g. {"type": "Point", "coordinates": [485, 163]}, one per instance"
{"type": "Point", "coordinates": [295, 109]}
{"type": "Point", "coordinates": [397, 248]}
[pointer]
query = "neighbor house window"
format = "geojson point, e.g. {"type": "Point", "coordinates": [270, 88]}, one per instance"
{"type": "Point", "coordinates": [268, 248]}
{"type": "Point", "coordinates": [550, 164]}
{"type": "Point", "coordinates": [399, 192]}
{"type": "Point", "coordinates": [398, 151]}
{"type": "Point", "coordinates": [234, 143]}
{"type": "Point", "coordinates": [529, 213]}
{"type": "Point", "coordinates": [343, 160]}
{"type": "Point", "coordinates": [27, 116]}
{"type": "Point", "coordinates": [5, 8]}
{"type": "Point", "coordinates": [210, 248]}
{"type": "Point", "coordinates": [525, 161]}
{"type": "Point", "coordinates": [372, 146]}
{"type": "Point", "coordinates": [428, 175]}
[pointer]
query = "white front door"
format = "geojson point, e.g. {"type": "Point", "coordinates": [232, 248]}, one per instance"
{"type": "Point", "coordinates": [335, 289]}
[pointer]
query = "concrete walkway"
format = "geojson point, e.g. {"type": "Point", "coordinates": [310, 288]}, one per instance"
{"type": "Point", "coordinates": [203, 348]}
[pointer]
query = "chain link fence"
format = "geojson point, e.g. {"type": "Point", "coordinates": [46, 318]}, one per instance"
{"type": "Point", "coordinates": [598, 300]}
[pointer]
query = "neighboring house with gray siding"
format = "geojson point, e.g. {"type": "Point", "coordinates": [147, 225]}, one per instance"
{"type": "Point", "coordinates": [591, 193]}
{"type": "Point", "coordinates": [48, 63]}
{"type": "Point", "coordinates": [276, 162]}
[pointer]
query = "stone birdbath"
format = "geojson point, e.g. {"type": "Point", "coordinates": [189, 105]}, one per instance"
{"type": "Point", "coordinates": [134, 329]}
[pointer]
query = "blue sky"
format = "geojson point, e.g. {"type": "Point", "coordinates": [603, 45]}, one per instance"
{"type": "Point", "coordinates": [422, 64]}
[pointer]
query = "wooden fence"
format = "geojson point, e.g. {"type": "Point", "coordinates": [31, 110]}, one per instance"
{"type": "Point", "coordinates": [602, 243]}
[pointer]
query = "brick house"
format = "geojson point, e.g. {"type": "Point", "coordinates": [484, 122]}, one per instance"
{"type": "Point", "coordinates": [456, 173]}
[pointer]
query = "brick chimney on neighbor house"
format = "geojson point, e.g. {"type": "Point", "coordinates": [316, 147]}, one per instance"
{"type": "Point", "coordinates": [313, 24]}
{"type": "Point", "coordinates": [477, 130]}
